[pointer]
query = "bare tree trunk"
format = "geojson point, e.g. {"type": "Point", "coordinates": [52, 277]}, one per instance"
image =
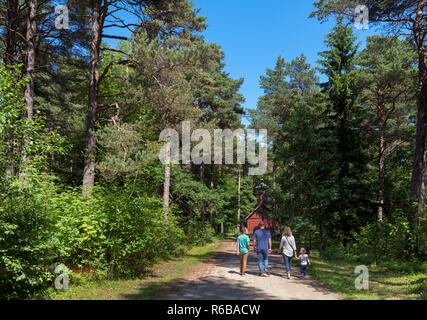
{"type": "Point", "coordinates": [381, 176]}
{"type": "Point", "coordinates": [212, 187]}
{"type": "Point", "coordinates": [274, 175]}
{"type": "Point", "coordinates": [321, 238]}
{"type": "Point", "coordinates": [202, 206]}
{"type": "Point", "coordinates": [418, 173]}
{"type": "Point", "coordinates": [30, 65]}
{"type": "Point", "coordinates": [238, 199]}
{"type": "Point", "coordinates": [12, 26]}
{"type": "Point", "coordinates": [90, 152]}
{"type": "Point", "coordinates": [166, 195]}
{"type": "Point", "coordinates": [419, 164]}
{"type": "Point", "coordinates": [12, 16]}
{"type": "Point", "coordinates": [291, 196]}
{"type": "Point", "coordinates": [166, 188]}
{"type": "Point", "coordinates": [31, 56]}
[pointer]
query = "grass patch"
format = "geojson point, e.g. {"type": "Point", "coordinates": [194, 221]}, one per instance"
{"type": "Point", "coordinates": [385, 282]}
{"type": "Point", "coordinates": [146, 288]}
{"type": "Point", "coordinates": [389, 281]}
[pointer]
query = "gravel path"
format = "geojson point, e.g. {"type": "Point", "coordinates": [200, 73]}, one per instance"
{"type": "Point", "coordinates": [219, 278]}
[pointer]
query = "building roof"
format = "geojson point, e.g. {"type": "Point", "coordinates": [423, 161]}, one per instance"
{"type": "Point", "coordinates": [256, 209]}
{"type": "Point", "coordinates": [250, 214]}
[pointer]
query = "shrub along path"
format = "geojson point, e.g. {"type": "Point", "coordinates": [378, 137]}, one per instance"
{"type": "Point", "coordinates": [158, 280]}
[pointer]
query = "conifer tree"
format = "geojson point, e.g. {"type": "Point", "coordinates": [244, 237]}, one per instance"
{"type": "Point", "coordinates": [388, 80]}
{"type": "Point", "coordinates": [344, 122]}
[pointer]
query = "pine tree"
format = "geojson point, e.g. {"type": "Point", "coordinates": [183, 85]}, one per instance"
{"type": "Point", "coordinates": [388, 79]}
{"type": "Point", "coordinates": [344, 122]}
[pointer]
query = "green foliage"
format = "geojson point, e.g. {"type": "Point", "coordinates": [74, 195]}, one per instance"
{"type": "Point", "coordinates": [25, 229]}
{"type": "Point", "coordinates": [196, 236]}
{"type": "Point", "coordinates": [135, 232]}
{"type": "Point", "coordinates": [189, 195]}
{"type": "Point", "coordinates": [24, 225]}
{"type": "Point", "coordinates": [387, 280]}
{"type": "Point", "coordinates": [344, 120]}
{"type": "Point", "coordinates": [169, 74]}
{"type": "Point", "coordinates": [115, 232]}
{"type": "Point", "coordinates": [325, 146]}
{"type": "Point", "coordinates": [21, 137]}
{"type": "Point", "coordinates": [323, 150]}
{"type": "Point", "coordinates": [379, 242]}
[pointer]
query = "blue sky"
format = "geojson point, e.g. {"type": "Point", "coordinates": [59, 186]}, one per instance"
{"type": "Point", "coordinates": [254, 33]}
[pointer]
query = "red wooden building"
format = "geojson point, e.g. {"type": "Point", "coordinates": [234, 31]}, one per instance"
{"type": "Point", "coordinates": [256, 216]}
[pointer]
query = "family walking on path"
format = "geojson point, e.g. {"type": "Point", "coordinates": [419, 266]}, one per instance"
{"type": "Point", "coordinates": [262, 246]}
{"type": "Point", "coordinates": [218, 277]}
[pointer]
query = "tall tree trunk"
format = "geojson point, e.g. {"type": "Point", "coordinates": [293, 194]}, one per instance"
{"type": "Point", "coordinates": [12, 26]}
{"type": "Point", "coordinates": [238, 199]}
{"type": "Point", "coordinates": [31, 56]}
{"type": "Point", "coordinates": [212, 185]}
{"type": "Point", "coordinates": [381, 155]}
{"type": "Point", "coordinates": [416, 209]}
{"type": "Point", "coordinates": [30, 65]}
{"type": "Point", "coordinates": [166, 195]}
{"type": "Point", "coordinates": [381, 176]}
{"type": "Point", "coordinates": [220, 175]}
{"type": "Point", "coordinates": [291, 196]}
{"type": "Point", "coordinates": [274, 175]}
{"type": "Point", "coordinates": [321, 237]}
{"type": "Point", "coordinates": [275, 207]}
{"type": "Point", "coordinates": [166, 188]}
{"type": "Point", "coordinates": [90, 152]}
{"type": "Point", "coordinates": [274, 164]}
{"type": "Point", "coordinates": [10, 52]}
{"type": "Point", "coordinates": [202, 206]}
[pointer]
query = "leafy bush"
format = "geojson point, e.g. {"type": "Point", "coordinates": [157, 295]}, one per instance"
{"type": "Point", "coordinates": [135, 232]}
{"type": "Point", "coordinates": [335, 253]}
{"type": "Point", "coordinates": [378, 244]}
{"type": "Point", "coordinates": [381, 242]}
{"type": "Point", "coordinates": [196, 236]}
{"type": "Point", "coordinates": [113, 232]}
{"type": "Point", "coordinates": [302, 228]}
{"type": "Point", "coordinates": [25, 227]}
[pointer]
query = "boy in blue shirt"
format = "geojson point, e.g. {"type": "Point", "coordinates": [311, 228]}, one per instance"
{"type": "Point", "coordinates": [243, 244]}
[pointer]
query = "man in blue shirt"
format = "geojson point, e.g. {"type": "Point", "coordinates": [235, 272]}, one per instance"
{"type": "Point", "coordinates": [262, 243]}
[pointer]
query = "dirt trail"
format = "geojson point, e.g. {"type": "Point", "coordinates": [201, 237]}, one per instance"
{"type": "Point", "coordinates": [219, 278]}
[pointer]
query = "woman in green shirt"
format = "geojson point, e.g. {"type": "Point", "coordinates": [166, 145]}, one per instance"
{"type": "Point", "coordinates": [243, 244]}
